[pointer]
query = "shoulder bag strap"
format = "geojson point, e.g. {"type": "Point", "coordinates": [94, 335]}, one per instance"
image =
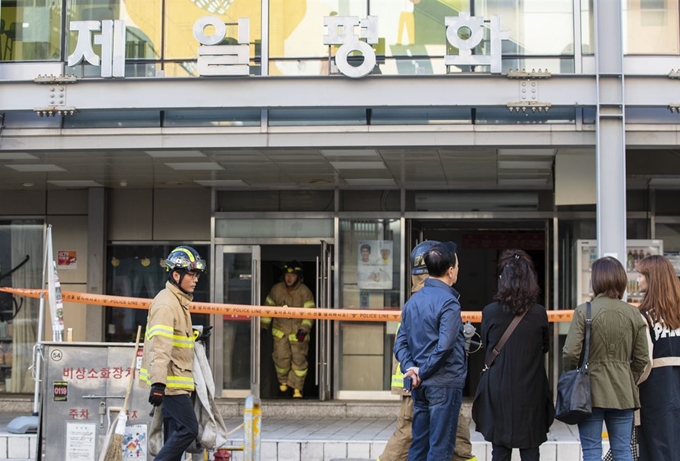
{"type": "Point", "coordinates": [504, 338]}
{"type": "Point", "coordinates": [589, 320]}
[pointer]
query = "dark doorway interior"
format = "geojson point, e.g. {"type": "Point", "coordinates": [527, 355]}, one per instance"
{"type": "Point", "coordinates": [480, 245]}
{"type": "Point", "coordinates": [273, 258]}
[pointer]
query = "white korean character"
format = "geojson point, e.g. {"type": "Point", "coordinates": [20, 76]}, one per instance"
{"type": "Point", "coordinates": [341, 32]}
{"type": "Point", "coordinates": [214, 59]}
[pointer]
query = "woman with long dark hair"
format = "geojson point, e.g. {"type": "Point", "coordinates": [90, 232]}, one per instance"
{"type": "Point", "coordinates": [660, 393]}
{"type": "Point", "coordinates": [521, 401]}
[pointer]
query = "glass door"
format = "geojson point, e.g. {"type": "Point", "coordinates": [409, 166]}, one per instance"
{"type": "Point", "coordinates": [324, 294]}
{"type": "Point", "coordinates": [237, 281]}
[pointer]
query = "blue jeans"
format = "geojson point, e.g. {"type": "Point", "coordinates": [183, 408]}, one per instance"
{"type": "Point", "coordinates": [180, 427]}
{"type": "Point", "coordinates": [435, 419]}
{"type": "Point", "coordinates": [620, 428]}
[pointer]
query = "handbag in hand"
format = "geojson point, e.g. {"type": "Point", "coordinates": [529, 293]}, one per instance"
{"type": "Point", "coordinates": [482, 413]}
{"type": "Point", "coordinates": [574, 404]}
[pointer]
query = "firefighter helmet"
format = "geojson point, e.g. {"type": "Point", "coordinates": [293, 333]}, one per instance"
{"type": "Point", "coordinates": [186, 259]}
{"type": "Point", "coordinates": [418, 266]}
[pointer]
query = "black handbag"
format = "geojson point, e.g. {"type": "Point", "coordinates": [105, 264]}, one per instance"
{"type": "Point", "coordinates": [574, 404]}
{"type": "Point", "coordinates": [481, 406]}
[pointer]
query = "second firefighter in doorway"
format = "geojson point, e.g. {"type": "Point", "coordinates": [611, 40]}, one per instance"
{"type": "Point", "coordinates": [291, 336]}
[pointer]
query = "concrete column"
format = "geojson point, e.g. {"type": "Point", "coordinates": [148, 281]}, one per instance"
{"type": "Point", "coordinates": [96, 260]}
{"type": "Point", "coordinates": [611, 144]}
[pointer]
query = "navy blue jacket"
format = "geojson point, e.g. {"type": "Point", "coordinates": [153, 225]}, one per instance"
{"type": "Point", "coordinates": [431, 336]}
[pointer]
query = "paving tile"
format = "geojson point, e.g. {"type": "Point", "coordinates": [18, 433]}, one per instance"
{"type": "Point", "coordinates": [268, 450]}
{"type": "Point", "coordinates": [17, 447]}
{"type": "Point", "coordinates": [548, 452]}
{"type": "Point", "coordinates": [288, 451]}
{"type": "Point", "coordinates": [311, 451]}
{"type": "Point", "coordinates": [358, 450]}
{"type": "Point", "coordinates": [334, 450]}
{"type": "Point", "coordinates": [568, 451]}
{"type": "Point", "coordinates": [377, 448]}
{"type": "Point", "coordinates": [479, 450]}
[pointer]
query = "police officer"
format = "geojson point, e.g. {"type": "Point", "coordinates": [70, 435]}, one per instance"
{"type": "Point", "coordinates": [169, 352]}
{"type": "Point", "coordinates": [291, 336]}
{"type": "Point", "coordinates": [398, 445]}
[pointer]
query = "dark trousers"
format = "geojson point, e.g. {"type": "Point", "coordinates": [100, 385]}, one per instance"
{"type": "Point", "coordinates": [501, 453]}
{"type": "Point", "coordinates": [435, 419]}
{"type": "Point", "coordinates": [180, 425]}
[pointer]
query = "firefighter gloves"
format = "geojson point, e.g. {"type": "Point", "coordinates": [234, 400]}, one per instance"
{"type": "Point", "coordinates": [301, 335]}
{"type": "Point", "coordinates": [205, 336]}
{"type": "Point", "coordinates": [157, 393]}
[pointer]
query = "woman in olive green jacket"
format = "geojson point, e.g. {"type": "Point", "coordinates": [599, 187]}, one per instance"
{"type": "Point", "coordinates": [618, 355]}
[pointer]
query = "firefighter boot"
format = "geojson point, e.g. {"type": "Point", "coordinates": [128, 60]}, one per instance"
{"type": "Point", "coordinates": [283, 387]}
{"type": "Point", "coordinates": [297, 394]}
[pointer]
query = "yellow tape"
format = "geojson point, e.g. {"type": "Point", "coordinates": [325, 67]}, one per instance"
{"type": "Point", "coordinates": [346, 315]}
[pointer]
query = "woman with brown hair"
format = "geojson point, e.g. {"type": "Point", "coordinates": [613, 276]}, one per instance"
{"type": "Point", "coordinates": [660, 393]}
{"type": "Point", "coordinates": [521, 409]}
{"type": "Point", "coordinates": [618, 355]}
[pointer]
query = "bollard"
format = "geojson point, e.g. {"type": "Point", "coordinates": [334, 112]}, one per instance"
{"type": "Point", "coordinates": [252, 416]}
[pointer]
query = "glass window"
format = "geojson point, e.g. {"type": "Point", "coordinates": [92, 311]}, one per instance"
{"type": "Point", "coordinates": [537, 27]}
{"type": "Point", "coordinates": [420, 116]}
{"type": "Point", "coordinates": [370, 264]}
{"type": "Point", "coordinates": [142, 24]}
{"type": "Point", "coordinates": [502, 116]}
{"type": "Point", "coordinates": [21, 255]}
{"type": "Point", "coordinates": [651, 27]}
{"type": "Point", "coordinates": [296, 30]}
{"type": "Point", "coordinates": [138, 271]}
{"type": "Point", "coordinates": [212, 117]}
{"type": "Point", "coordinates": [587, 27]}
{"type": "Point", "coordinates": [113, 119]}
{"type": "Point", "coordinates": [30, 30]}
{"type": "Point", "coordinates": [180, 16]}
{"type": "Point", "coordinates": [326, 116]}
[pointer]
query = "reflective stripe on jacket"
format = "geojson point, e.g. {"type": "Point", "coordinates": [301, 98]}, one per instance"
{"type": "Point", "coordinates": [297, 296]}
{"type": "Point", "coordinates": [169, 342]}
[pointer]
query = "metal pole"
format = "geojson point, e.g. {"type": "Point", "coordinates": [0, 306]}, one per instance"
{"type": "Point", "coordinates": [610, 131]}
{"type": "Point", "coordinates": [37, 354]}
{"type": "Point", "coordinates": [252, 416]}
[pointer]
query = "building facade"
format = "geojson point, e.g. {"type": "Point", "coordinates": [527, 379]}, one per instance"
{"type": "Point", "coordinates": [335, 132]}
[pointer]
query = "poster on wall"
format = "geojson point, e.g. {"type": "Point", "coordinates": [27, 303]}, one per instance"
{"type": "Point", "coordinates": [135, 442]}
{"type": "Point", "coordinates": [67, 259]}
{"type": "Point", "coordinates": [80, 441]}
{"type": "Point", "coordinates": [374, 266]}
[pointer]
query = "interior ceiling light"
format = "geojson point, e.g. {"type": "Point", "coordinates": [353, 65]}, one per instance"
{"type": "Point", "coordinates": [36, 168]}
{"type": "Point", "coordinates": [28, 184]}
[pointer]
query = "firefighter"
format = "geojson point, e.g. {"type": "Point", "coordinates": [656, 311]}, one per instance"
{"type": "Point", "coordinates": [399, 443]}
{"type": "Point", "coordinates": [167, 364]}
{"type": "Point", "coordinates": [291, 336]}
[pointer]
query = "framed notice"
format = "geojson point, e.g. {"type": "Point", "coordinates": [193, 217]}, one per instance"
{"type": "Point", "coordinates": [80, 441]}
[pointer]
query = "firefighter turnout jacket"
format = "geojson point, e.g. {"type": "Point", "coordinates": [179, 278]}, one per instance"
{"type": "Point", "coordinates": [296, 296]}
{"type": "Point", "coordinates": [169, 342]}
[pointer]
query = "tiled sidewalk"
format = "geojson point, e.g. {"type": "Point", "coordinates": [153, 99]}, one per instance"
{"type": "Point", "coordinates": [322, 439]}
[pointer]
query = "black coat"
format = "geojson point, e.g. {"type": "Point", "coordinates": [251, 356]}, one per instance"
{"type": "Point", "coordinates": [521, 409]}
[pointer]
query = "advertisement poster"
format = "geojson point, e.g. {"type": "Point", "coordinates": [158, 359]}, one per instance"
{"type": "Point", "coordinates": [374, 266]}
{"type": "Point", "coordinates": [135, 443]}
{"type": "Point", "coordinates": [67, 259]}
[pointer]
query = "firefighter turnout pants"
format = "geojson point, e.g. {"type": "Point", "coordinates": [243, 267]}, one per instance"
{"type": "Point", "coordinates": [398, 445]}
{"type": "Point", "coordinates": [290, 355]}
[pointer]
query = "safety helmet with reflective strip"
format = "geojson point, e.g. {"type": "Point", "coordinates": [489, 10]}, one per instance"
{"type": "Point", "coordinates": [185, 258]}
{"type": "Point", "coordinates": [293, 267]}
{"type": "Point", "coordinates": [418, 266]}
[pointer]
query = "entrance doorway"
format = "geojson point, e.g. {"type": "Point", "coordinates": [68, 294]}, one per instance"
{"type": "Point", "coordinates": [480, 244]}
{"type": "Point", "coordinates": [245, 274]}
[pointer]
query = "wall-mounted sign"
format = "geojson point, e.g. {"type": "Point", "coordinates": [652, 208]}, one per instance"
{"type": "Point", "coordinates": [351, 33]}
{"type": "Point", "coordinates": [465, 46]}
{"type": "Point", "coordinates": [215, 59]}
{"type": "Point", "coordinates": [112, 42]}
{"type": "Point", "coordinates": [341, 32]}
{"type": "Point", "coordinates": [67, 259]}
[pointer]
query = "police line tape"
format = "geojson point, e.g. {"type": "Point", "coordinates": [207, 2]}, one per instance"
{"type": "Point", "coordinates": [239, 310]}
